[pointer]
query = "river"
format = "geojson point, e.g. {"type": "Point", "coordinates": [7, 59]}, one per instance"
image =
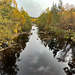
{"type": "Point", "coordinates": [33, 55]}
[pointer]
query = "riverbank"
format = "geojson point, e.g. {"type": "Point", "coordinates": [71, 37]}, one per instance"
{"type": "Point", "coordinates": [67, 35]}
{"type": "Point", "coordinates": [5, 45]}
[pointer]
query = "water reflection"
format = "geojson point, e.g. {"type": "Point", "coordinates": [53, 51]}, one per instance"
{"type": "Point", "coordinates": [10, 56]}
{"type": "Point", "coordinates": [63, 50]}
{"type": "Point", "coordinates": [36, 59]}
{"type": "Point", "coordinates": [38, 54]}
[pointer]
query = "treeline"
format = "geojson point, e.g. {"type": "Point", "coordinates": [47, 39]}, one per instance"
{"type": "Point", "coordinates": [12, 21]}
{"type": "Point", "coordinates": [60, 19]}
{"type": "Point", "coordinates": [34, 19]}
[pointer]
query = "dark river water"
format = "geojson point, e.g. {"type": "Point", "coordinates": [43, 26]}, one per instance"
{"type": "Point", "coordinates": [38, 54]}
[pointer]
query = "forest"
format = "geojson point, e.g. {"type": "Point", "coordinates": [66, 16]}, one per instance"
{"type": "Point", "coordinates": [12, 21]}
{"type": "Point", "coordinates": [31, 45]}
{"type": "Point", "coordinates": [60, 19]}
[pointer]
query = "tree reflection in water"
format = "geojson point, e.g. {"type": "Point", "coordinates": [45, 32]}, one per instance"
{"type": "Point", "coordinates": [63, 50]}
{"type": "Point", "coordinates": [10, 56]}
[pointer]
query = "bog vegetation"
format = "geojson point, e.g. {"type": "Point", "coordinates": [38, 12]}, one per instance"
{"type": "Point", "coordinates": [12, 21]}
{"type": "Point", "coordinates": [60, 19]}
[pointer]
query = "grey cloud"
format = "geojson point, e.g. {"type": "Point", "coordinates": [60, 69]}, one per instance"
{"type": "Point", "coordinates": [32, 7]}
{"type": "Point", "coordinates": [44, 69]}
{"type": "Point", "coordinates": [34, 60]}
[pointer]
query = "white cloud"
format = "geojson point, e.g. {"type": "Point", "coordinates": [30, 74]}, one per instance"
{"type": "Point", "coordinates": [34, 60]}
{"type": "Point", "coordinates": [43, 69]}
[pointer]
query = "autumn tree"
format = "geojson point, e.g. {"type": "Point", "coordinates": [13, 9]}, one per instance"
{"type": "Point", "coordinates": [55, 15]}
{"type": "Point", "coordinates": [27, 20]}
{"type": "Point", "coordinates": [11, 20]}
{"type": "Point", "coordinates": [60, 5]}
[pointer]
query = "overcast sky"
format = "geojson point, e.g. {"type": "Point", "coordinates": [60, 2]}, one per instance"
{"type": "Point", "coordinates": [36, 7]}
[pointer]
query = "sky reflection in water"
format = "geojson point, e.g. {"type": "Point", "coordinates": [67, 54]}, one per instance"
{"type": "Point", "coordinates": [37, 56]}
